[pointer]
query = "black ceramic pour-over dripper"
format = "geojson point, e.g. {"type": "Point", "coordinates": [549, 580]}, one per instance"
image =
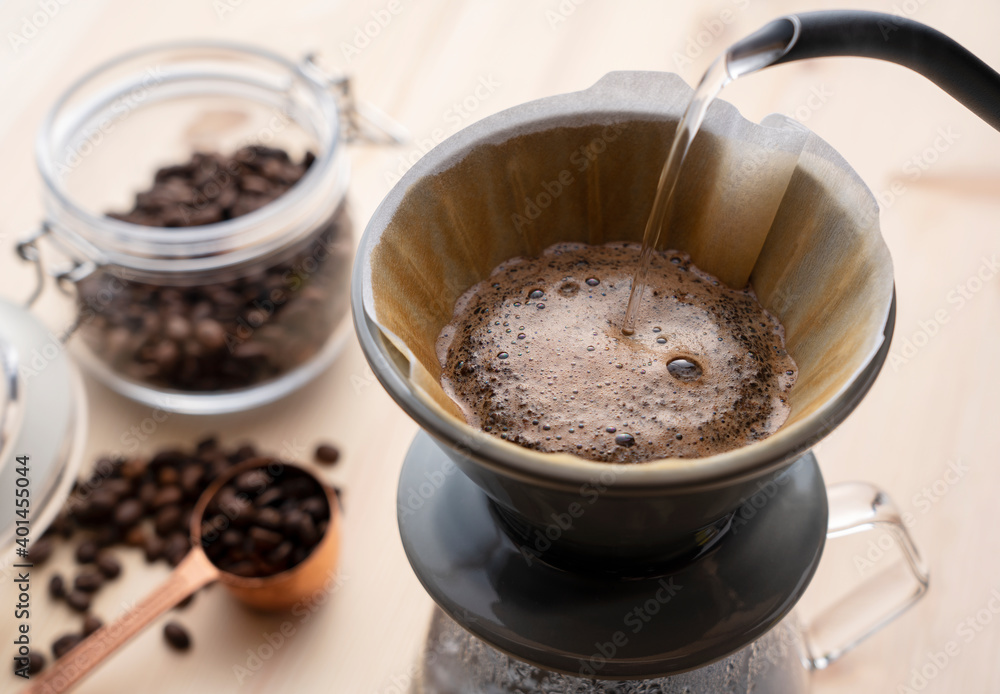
{"type": "Point", "coordinates": [875, 35]}
{"type": "Point", "coordinates": [466, 498]}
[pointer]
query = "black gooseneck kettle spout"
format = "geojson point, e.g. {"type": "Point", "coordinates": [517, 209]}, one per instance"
{"type": "Point", "coordinates": [874, 35]}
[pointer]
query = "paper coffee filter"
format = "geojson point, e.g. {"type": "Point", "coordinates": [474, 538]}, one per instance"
{"type": "Point", "coordinates": [771, 204]}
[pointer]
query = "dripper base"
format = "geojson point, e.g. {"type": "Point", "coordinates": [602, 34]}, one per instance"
{"type": "Point", "coordinates": [603, 626]}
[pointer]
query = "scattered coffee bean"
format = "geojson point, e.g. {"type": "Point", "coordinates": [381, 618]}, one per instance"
{"type": "Point", "coordinates": [40, 550]}
{"type": "Point", "coordinates": [36, 663]}
{"type": "Point", "coordinates": [167, 476]}
{"type": "Point", "coordinates": [168, 520]}
{"type": "Point", "coordinates": [328, 454]}
{"type": "Point", "coordinates": [185, 602]}
{"type": "Point", "coordinates": [176, 548]}
{"type": "Point", "coordinates": [152, 548]}
{"type": "Point", "coordinates": [108, 565]}
{"type": "Point", "coordinates": [91, 624]}
{"type": "Point", "coordinates": [78, 600]}
{"type": "Point", "coordinates": [64, 644]}
{"type": "Point", "coordinates": [102, 504]}
{"type": "Point", "coordinates": [167, 496]}
{"type": "Point", "coordinates": [57, 586]}
{"type": "Point", "coordinates": [89, 581]}
{"type": "Point", "coordinates": [129, 513]}
{"type": "Point", "coordinates": [135, 537]}
{"type": "Point", "coordinates": [108, 535]}
{"type": "Point", "coordinates": [217, 336]}
{"type": "Point", "coordinates": [177, 636]}
{"type": "Point", "coordinates": [86, 552]}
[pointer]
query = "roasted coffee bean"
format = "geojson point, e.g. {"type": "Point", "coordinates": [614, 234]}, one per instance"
{"type": "Point", "coordinates": [133, 469]}
{"type": "Point", "coordinates": [88, 581]}
{"type": "Point", "coordinates": [298, 487]}
{"type": "Point", "coordinates": [269, 518]}
{"type": "Point", "coordinates": [268, 497]}
{"type": "Point", "coordinates": [57, 586]}
{"type": "Point", "coordinates": [210, 334]}
{"type": "Point", "coordinates": [78, 600]}
{"type": "Point", "coordinates": [245, 452]}
{"type": "Point", "coordinates": [293, 520]}
{"type": "Point", "coordinates": [168, 519]}
{"type": "Point", "coordinates": [91, 624]}
{"type": "Point", "coordinates": [108, 535]}
{"type": "Point", "coordinates": [102, 503]}
{"type": "Point", "coordinates": [177, 636]}
{"type": "Point", "coordinates": [129, 512]}
{"type": "Point", "coordinates": [108, 565]}
{"type": "Point", "coordinates": [316, 506]}
{"type": "Point", "coordinates": [190, 480]}
{"type": "Point", "coordinates": [135, 537]}
{"type": "Point", "coordinates": [36, 663]}
{"type": "Point", "coordinates": [245, 514]}
{"type": "Point", "coordinates": [166, 497]}
{"type": "Point", "coordinates": [281, 554]}
{"type": "Point", "coordinates": [263, 540]}
{"type": "Point", "coordinates": [209, 443]}
{"type": "Point", "coordinates": [118, 486]}
{"type": "Point", "coordinates": [64, 644]}
{"type": "Point", "coordinates": [147, 492]}
{"type": "Point", "coordinates": [40, 550]}
{"type": "Point", "coordinates": [186, 515]}
{"type": "Point", "coordinates": [167, 476]}
{"type": "Point", "coordinates": [86, 552]}
{"type": "Point", "coordinates": [252, 481]}
{"type": "Point", "coordinates": [306, 531]}
{"type": "Point", "coordinates": [327, 454]}
{"type": "Point", "coordinates": [176, 548]}
{"type": "Point", "coordinates": [185, 602]}
{"type": "Point", "coordinates": [152, 548]}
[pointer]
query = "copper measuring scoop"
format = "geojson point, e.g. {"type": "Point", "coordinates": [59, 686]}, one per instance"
{"type": "Point", "coordinates": [280, 591]}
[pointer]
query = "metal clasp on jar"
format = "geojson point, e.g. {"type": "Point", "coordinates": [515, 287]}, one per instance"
{"type": "Point", "coordinates": [73, 272]}
{"type": "Point", "coordinates": [362, 122]}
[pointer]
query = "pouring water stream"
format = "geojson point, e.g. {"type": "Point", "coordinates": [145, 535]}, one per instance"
{"type": "Point", "coordinates": [750, 55]}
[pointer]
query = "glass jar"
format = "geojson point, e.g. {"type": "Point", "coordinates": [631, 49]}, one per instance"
{"type": "Point", "coordinates": [213, 318]}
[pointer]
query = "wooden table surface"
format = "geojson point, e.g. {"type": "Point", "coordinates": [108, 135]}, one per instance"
{"type": "Point", "coordinates": [934, 165]}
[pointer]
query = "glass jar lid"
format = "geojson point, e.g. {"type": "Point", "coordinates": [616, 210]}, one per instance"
{"type": "Point", "coordinates": [42, 424]}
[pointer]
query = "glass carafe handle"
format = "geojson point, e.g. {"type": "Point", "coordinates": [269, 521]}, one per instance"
{"type": "Point", "coordinates": [860, 507]}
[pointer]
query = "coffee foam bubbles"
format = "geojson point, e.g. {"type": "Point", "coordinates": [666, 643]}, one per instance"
{"type": "Point", "coordinates": [534, 354]}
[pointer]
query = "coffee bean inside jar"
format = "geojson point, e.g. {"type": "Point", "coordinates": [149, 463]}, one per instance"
{"type": "Point", "coordinates": [256, 321]}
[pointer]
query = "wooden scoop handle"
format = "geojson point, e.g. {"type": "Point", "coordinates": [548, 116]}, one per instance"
{"type": "Point", "coordinates": [193, 573]}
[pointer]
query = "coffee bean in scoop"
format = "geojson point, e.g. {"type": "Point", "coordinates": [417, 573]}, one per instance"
{"type": "Point", "coordinates": [265, 521]}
